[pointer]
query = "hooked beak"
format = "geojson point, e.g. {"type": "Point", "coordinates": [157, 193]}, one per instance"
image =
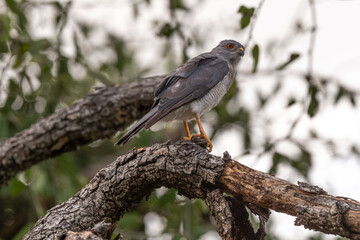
{"type": "Point", "coordinates": [241, 51]}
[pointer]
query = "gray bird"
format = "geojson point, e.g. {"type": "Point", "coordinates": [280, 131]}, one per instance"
{"type": "Point", "coordinates": [193, 89]}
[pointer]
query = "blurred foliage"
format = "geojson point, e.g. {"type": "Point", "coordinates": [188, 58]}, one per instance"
{"type": "Point", "coordinates": [38, 77]}
{"type": "Point", "coordinates": [183, 218]}
{"type": "Point", "coordinates": [246, 15]}
{"type": "Point", "coordinates": [255, 54]}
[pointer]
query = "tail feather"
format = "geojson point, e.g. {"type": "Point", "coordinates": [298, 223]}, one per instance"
{"type": "Point", "coordinates": [137, 127]}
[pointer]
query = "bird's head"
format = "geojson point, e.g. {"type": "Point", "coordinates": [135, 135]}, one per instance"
{"type": "Point", "coordinates": [230, 50]}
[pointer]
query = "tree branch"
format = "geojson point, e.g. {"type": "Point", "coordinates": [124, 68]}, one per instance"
{"type": "Point", "coordinates": [98, 115]}
{"type": "Point", "coordinates": [119, 187]}
{"type": "Point", "coordinates": [312, 206]}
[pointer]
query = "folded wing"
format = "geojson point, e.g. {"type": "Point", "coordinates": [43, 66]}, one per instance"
{"type": "Point", "coordinates": [189, 82]}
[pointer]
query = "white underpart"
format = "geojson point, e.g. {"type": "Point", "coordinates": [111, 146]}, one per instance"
{"type": "Point", "coordinates": [211, 99]}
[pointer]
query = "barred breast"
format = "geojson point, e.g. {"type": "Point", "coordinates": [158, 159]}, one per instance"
{"type": "Point", "coordinates": [211, 99]}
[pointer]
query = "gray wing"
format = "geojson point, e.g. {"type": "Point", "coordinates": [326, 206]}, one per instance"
{"type": "Point", "coordinates": [187, 83]}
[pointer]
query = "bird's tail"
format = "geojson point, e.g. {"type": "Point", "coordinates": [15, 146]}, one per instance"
{"type": "Point", "coordinates": [137, 127]}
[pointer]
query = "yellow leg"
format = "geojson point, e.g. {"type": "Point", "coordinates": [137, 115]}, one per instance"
{"type": "Point", "coordinates": [202, 132]}
{"type": "Point", "coordinates": [188, 134]}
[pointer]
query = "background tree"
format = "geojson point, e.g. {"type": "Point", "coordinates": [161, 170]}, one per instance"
{"type": "Point", "coordinates": [52, 54]}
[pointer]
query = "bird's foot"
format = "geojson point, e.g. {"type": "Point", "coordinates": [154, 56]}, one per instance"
{"type": "Point", "coordinates": [200, 140]}
{"type": "Point", "coordinates": [198, 136]}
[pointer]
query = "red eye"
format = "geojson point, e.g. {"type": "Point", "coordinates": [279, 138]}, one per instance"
{"type": "Point", "coordinates": [230, 46]}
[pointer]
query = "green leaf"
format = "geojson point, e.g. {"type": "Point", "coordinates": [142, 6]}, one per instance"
{"type": "Point", "coordinates": [16, 187]}
{"type": "Point", "coordinates": [247, 139]}
{"type": "Point", "coordinates": [18, 49]}
{"type": "Point", "coordinates": [291, 59]}
{"type": "Point", "coordinates": [131, 220]}
{"type": "Point", "coordinates": [15, 7]}
{"type": "Point", "coordinates": [168, 198]}
{"type": "Point", "coordinates": [355, 150]}
{"type": "Point", "coordinates": [291, 101]}
{"type": "Point", "coordinates": [303, 164]}
{"type": "Point", "coordinates": [341, 92]}
{"type": "Point", "coordinates": [124, 56]}
{"type": "Point", "coordinates": [4, 126]}
{"type": "Point", "coordinates": [247, 13]}
{"type": "Point", "coordinates": [176, 237]}
{"type": "Point", "coordinates": [39, 45]}
{"type": "Point", "coordinates": [166, 30]}
{"type": "Point", "coordinates": [314, 103]}
{"type": "Point", "coordinates": [177, 4]}
{"type": "Point", "coordinates": [5, 32]}
{"type": "Point", "coordinates": [352, 99]}
{"type": "Point", "coordinates": [262, 99]}
{"type": "Point", "coordinates": [255, 54]}
{"type": "Point", "coordinates": [276, 160]}
{"type": "Point", "coordinates": [85, 29]}
{"type": "Point", "coordinates": [78, 53]}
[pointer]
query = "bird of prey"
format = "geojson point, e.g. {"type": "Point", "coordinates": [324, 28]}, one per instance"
{"type": "Point", "coordinates": [193, 89]}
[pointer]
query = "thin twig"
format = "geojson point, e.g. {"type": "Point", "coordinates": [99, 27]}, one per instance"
{"type": "Point", "coordinates": [309, 76]}
{"type": "Point", "coordinates": [312, 39]}
{"type": "Point", "coordinates": [253, 22]}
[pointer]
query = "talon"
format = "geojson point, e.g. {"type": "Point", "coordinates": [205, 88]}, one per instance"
{"type": "Point", "coordinates": [209, 144]}
{"type": "Point", "coordinates": [201, 135]}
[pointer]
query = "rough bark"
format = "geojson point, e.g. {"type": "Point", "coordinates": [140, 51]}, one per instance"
{"type": "Point", "coordinates": [312, 206]}
{"type": "Point", "coordinates": [117, 189]}
{"type": "Point", "coordinates": [98, 115]}
{"type": "Point", "coordinates": [232, 218]}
